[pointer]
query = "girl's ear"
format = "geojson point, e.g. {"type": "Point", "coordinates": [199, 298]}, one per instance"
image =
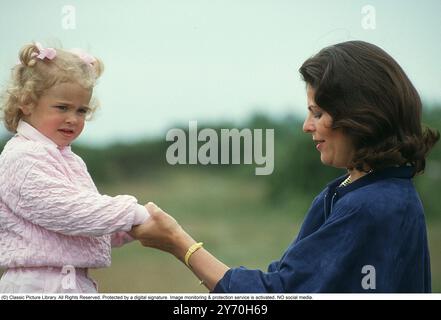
{"type": "Point", "coordinates": [26, 109]}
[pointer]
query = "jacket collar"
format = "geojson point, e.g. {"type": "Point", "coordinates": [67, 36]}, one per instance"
{"type": "Point", "coordinates": [27, 131]}
{"type": "Point", "coordinates": [402, 172]}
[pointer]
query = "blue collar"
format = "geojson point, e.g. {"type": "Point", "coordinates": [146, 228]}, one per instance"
{"type": "Point", "coordinates": [403, 172]}
{"type": "Point", "coordinates": [335, 192]}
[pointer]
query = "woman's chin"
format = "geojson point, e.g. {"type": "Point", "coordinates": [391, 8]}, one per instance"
{"type": "Point", "coordinates": [325, 160]}
{"type": "Point", "coordinates": [335, 164]}
{"type": "Point", "coordinates": [329, 162]}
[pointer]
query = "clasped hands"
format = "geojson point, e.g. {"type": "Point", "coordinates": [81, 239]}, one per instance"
{"type": "Point", "coordinates": [163, 232]}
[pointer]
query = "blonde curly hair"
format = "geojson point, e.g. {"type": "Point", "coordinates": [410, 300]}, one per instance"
{"type": "Point", "coordinates": [33, 76]}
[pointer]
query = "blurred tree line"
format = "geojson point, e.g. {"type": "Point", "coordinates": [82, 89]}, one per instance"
{"type": "Point", "coordinates": [297, 166]}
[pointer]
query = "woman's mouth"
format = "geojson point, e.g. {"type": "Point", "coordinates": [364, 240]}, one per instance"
{"type": "Point", "coordinates": [319, 144]}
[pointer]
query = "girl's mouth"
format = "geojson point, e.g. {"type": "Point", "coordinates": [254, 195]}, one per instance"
{"type": "Point", "coordinates": [66, 132]}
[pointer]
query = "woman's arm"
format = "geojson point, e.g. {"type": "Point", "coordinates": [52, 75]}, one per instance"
{"type": "Point", "coordinates": [163, 232]}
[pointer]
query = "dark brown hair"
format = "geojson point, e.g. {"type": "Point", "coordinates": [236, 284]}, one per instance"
{"type": "Point", "coordinates": [371, 99]}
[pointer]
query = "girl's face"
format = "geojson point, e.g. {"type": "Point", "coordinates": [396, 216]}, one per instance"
{"type": "Point", "coordinates": [60, 112]}
{"type": "Point", "coordinates": [336, 149]}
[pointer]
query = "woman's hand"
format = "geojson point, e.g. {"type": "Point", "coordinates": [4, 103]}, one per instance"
{"type": "Point", "coordinates": [162, 231]}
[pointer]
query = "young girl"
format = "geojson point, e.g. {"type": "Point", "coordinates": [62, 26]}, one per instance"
{"type": "Point", "coordinates": [54, 224]}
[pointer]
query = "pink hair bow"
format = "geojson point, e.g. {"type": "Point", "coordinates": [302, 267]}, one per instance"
{"type": "Point", "coordinates": [48, 53]}
{"type": "Point", "coordinates": [87, 58]}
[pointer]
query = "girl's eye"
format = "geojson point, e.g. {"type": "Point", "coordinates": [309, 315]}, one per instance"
{"type": "Point", "coordinates": [62, 108]}
{"type": "Point", "coordinates": [83, 110]}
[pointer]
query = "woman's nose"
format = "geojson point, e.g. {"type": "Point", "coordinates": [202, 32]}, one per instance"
{"type": "Point", "coordinates": [308, 125]}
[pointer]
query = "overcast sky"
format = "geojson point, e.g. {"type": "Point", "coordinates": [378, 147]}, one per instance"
{"type": "Point", "coordinates": [169, 62]}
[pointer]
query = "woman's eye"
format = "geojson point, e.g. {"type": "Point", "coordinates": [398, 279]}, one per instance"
{"type": "Point", "coordinates": [317, 115]}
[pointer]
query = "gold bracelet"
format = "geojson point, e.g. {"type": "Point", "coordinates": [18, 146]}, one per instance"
{"type": "Point", "coordinates": [192, 250]}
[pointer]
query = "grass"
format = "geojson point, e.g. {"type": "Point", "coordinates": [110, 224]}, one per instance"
{"type": "Point", "coordinates": [434, 233]}
{"type": "Point", "coordinates": [226, 212]}
{"type": "Point", "coordinates": [229, 214]}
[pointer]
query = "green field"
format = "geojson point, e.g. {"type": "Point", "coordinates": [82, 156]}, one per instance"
{"type": "Point", "coordinates": [229, 214]}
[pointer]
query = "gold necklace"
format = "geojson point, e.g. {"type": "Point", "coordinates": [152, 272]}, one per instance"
{"type": "Point", "coordinates": [348, 180]}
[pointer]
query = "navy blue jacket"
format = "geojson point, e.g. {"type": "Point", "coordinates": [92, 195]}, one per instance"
{"type": "Point", "coordinates": [369, 236]}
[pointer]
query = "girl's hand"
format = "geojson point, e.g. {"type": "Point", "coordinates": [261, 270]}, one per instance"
{"type": "Point", "coordinates": [162, 231]}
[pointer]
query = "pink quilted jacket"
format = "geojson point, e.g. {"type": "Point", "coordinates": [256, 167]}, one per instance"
{"type": "Point", "coordinates": [51, 213]}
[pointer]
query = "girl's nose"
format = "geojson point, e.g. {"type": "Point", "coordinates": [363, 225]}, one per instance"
{"type": "Point", "coordinates": [71, 118]}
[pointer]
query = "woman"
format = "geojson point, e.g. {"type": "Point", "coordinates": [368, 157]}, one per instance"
{"type": "Point", "coordinates": [365, 232]}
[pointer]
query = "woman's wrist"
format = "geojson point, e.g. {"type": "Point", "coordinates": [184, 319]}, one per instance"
{"type": "Point", "coordinates": [183, 242]}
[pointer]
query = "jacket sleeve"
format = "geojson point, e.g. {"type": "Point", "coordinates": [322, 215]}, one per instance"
{"type": "Point", "coordinates": [320, 262]}
{"type": "Point", "coordinates": [47, 198]}
{"type": "Point", "coordinates": [120, 238]}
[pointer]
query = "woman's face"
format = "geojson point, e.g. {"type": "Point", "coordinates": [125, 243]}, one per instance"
{"type": "Point", "coordinates": [335, 148]}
